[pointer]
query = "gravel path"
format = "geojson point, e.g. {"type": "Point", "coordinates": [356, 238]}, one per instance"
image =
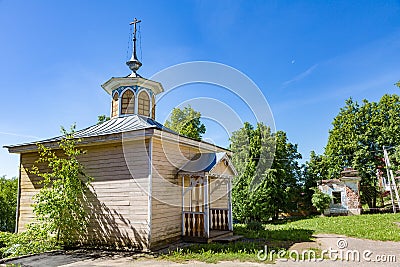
{"type": "Point", "coordinates": [348, 252]}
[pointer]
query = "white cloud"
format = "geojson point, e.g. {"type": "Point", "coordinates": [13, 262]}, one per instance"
{"type": "Point", "coordinates": [300, 76]}
{"type": "Point", "coordinates": [20, 135]}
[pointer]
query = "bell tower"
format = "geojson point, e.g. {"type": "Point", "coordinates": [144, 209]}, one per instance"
{"type": "Point", "coordinates": [133, 94]}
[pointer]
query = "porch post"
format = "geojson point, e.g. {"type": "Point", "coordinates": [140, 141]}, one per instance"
{"type": "Point", "coordinates": [183, 205]}
{"type": "Point", "coordinates": [229, 187]}
{"type": "Point", "coordinates": [206, 208]}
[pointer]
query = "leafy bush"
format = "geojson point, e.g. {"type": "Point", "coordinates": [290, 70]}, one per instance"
{"type": "Point", "coordinates": [8, 203]}
{"type": "Point", "coordinates": [29, 242]}
{"type": "Point", "coordinates": [59, 205]}
{"type": "Point", "coordinates": [320, 200]}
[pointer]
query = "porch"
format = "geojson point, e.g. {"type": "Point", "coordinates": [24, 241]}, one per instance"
{"type": "Point", "coordinates": [206, 206]}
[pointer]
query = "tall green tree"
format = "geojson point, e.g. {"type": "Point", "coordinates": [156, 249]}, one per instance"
{"type": "Point", "coordinates": [358, 135]}
{"type": "Point", "coordinates": [268, 172]}
{"type": "Point", "coordinates": [102, 118]}
{"type": "Point", "coordinates": [186, 122]}
{"type": "Point", "coordinates": [315, 169]}
{"type": "Point", "coordinates": [60, 204]}
{"type": "Point", "coordinates": [8, 203]}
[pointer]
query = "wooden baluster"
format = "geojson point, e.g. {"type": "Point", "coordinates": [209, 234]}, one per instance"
{"type": "Point", "coordinates": [213, 219]}
{"type": "Point", "coordinates": [196, 224]}
{"type": "Point", "coordinates": [210, 219]}
{"type": "Point", "coordinates": [216, 220]}
{"type": "Point", "coordinates": [221, 217]}
{"type": "Point", "coordinates": [218, 226]}
{"type": "Point", "coordinates": [186, 225]}
{"type": "Point", "coordinates": [202, 225]}
{"type": "Point", "coordinates": [191, 223]}
{"type": "Point", "coordinates": [226, 226]}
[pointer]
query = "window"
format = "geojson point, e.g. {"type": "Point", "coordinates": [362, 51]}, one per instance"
{"type": "Point", "coordinates": [337, 197]}
{"type": "Point", "coordinates": [144, 104]}
{"type": "Point", "coordinates": [153, 109]}
{"type": "Point", "coordinates": [114, 105]}
{"type": "Point", "coordinates": [128, 102]}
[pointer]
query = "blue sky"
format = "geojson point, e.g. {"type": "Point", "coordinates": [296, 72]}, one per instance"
{"type": "Point", "coordinates": [307, 57]}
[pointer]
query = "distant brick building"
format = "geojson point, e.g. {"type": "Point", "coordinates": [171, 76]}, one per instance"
{"type": "Point", "coordinates": [345, 193]}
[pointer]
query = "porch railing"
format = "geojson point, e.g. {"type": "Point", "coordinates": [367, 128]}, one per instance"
{"type": "Point", "coordinates": [193, 223]}
{"type": "Point", "coordinates": [219, 219]}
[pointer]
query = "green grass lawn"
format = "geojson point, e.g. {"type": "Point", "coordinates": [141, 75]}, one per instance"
{"type": "Point", "coordinates": [214, 252]}
{"type": "Point", "coordinates": [374, 226]}
{"type": "Point", "coordinates": [283, 234]}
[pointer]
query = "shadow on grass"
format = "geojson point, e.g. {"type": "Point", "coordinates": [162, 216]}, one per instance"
{"type": "Point", "coordinates": [285, 234]}
{"type": "Point", "coordinates": [293, 219]}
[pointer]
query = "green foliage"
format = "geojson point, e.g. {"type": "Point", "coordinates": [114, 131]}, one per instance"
{"type": "Point", "coordinates": [59, 205]}
{"type": "Point", "coordinates": [398, 84]}
{"type": "Point", "coordinates": [186, 122]}
{"type": "Point", "coordinates": [358, 135]}
{"type": "Point", "coordinates": [31, 241]}
{"type": "Point", "coordinates": [254, 226]}
{"type": "Point", "coordinates": [265, 184]}
{"type": "Point", "coordinates": [314, 170]}
{"type": "Point", "coordinates": [320, 200]}
{"type": "Point", "coordinates": [102, 118]}
{"type": "Point", "coordinates": [8, 203]}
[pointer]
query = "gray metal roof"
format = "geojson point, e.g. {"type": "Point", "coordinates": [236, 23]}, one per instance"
{"type": "Point", "coordinates": [203, 162]}
{"type": "Point", "coordinates": [113, 126]}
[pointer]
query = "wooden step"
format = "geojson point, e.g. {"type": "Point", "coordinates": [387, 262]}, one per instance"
{"type": "Point", "coordinates": [227, 239]}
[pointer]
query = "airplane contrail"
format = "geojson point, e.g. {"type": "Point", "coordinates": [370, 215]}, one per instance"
{"type": "Point", "coordinates": [20, 135]}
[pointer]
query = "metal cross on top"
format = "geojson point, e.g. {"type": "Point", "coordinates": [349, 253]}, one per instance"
{"type": "Point", "coordinates": [134, 64]}
{"type": "Point", "coordinates": [134, 22]}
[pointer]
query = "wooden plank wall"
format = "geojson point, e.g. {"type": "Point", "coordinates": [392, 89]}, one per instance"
{"type": "Point", "coordinates": [223, 169]}
{"type": "Point", "coordinates": [29, 187]}
{"type": "Point", "coordinates": [118, 202]}
{"type": "Point", "coordinates": [167, 191]}
{"type": "Point", "coordinates": [218, 194]}
{"type": "Point", "coordinates": [219, 198]}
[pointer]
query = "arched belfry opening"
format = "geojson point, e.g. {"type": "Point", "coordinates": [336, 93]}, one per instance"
{"type": "Point", "coordinates": [128, 103]}
{"type": "Point", "coordinates": [115, 105]}
{"type": "Point", "coordinates": [133, 94]}
{"type": "Point", "coordinates": [144, 104]}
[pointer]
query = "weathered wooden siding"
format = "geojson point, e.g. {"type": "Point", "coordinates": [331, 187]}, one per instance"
{"type": "Point", "coordinates": [218, 194]}
{"type": "Point", "coordinates": [168, 157]}
{"type": "Point", "coordinates": [222, 169]}
{"type": "Point", "coordinates": [29, 187]}
{"type": "Point", "coordinates": [218, 191]}
{"type": "Point", "coordinates": [118, 202]}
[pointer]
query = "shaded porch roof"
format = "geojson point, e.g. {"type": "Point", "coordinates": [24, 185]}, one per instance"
{"type": "Point", "coordinates": [206, 163]}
